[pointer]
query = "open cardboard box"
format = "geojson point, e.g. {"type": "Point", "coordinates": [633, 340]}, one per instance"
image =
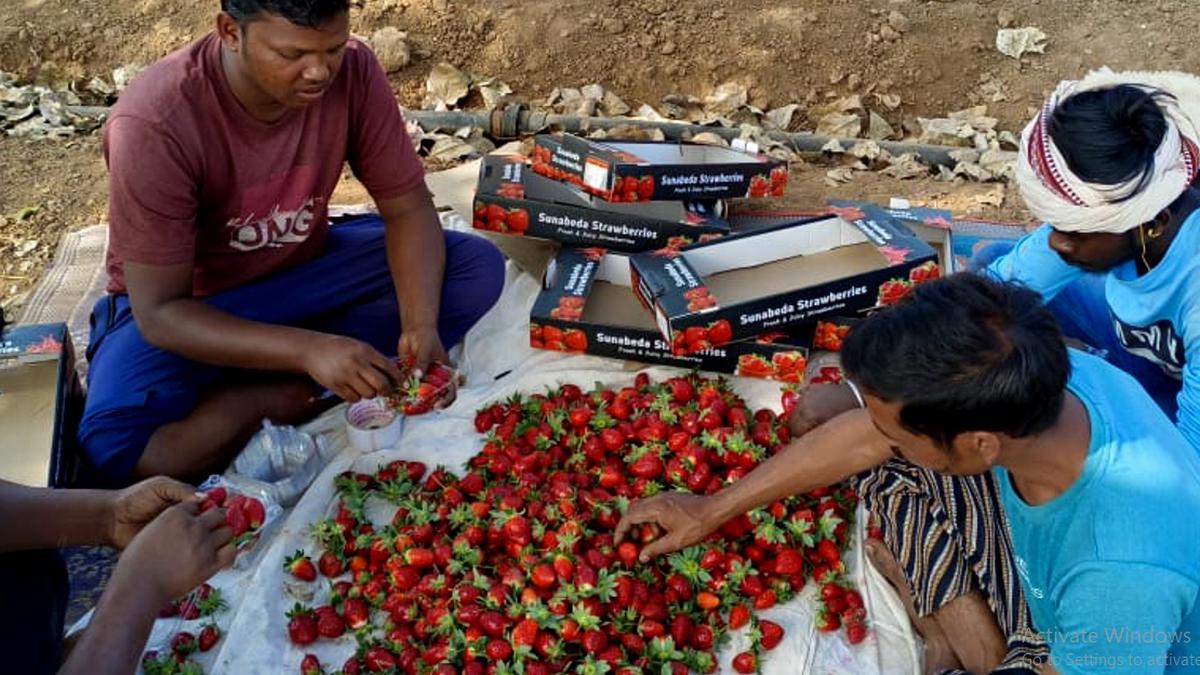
{"type": "Point", "coordinates": [40, 399]}
{"type": "Point", "coordinates": [641, 171]}
{"type": "Point", "coordinates": [777, 277]}
{"type": "Point", "coordinates": [511, 199]}
{"type": "Point", "coordinates": [586, 306]}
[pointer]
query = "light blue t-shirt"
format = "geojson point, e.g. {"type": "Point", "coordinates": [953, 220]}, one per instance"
{"type": "Point", "coordinates": [1156, 316]}
{"type": "Point", "coordinates": [1111, 568]}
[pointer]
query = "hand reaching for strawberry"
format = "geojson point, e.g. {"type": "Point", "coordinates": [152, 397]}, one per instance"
{"type": "Point", "coordinates": [136, 506]}
{"type": "Point", "coordinates": [683, 517]}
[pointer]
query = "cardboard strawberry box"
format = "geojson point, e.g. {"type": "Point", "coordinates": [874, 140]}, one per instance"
{"type": "Point", "coordinates": [775, 278]}
{"type": "Point", "coordinates": [587, 307]}
{"type": "Point", "coordinates": [513, 200]}
{"type": "Point", "coordinates": [40, 405]}
{"type": "Point", "coordinates": [643, 171]}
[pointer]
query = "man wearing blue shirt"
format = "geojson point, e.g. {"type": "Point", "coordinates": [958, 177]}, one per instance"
{"type": "Point", "coordinates": [1110, 164]}
{"type": "Point", "coordinates": [970, 377]}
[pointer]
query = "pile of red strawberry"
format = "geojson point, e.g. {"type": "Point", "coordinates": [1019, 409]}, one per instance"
{"type": "Point", "coordinates": [204, 602]}
{"type": "Point", "coordinates": [512, 568]}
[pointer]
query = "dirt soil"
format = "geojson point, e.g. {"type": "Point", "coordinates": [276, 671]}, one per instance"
{"type": "Point", "coordinates": [938, 56]}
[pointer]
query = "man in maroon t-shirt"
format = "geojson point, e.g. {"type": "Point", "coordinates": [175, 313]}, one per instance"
{"type": "Point", "coordinates": [230, 294]}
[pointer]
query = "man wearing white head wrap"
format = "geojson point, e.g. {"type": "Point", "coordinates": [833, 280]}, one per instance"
{"type": "Point", "coordinates": [1109, 164]}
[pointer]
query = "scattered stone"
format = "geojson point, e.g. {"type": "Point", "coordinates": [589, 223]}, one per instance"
{"type": "Point", "coordinates": [1015, 42]}
{"type": "Point", "coordinates": [391, 48]}
{"type": "Point", "coordinates": [1005, 18]}
{"type": "Point", "coordinates": [878, 128]}
{"type": "Point", "coordinates": [898, 22]}
{"type": "Point", "coordinates": [613, 26]}
{"type": "Point", "coordinates": [843, 125]}
{"type": "Point", "coordinates": [667, 48]}
{"type": "Point", "coordinates": [888, 33]}
{"type": "Point", "coordinates": [728, 98]}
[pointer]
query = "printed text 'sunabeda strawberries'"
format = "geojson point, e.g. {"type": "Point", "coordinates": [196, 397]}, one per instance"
{"type": "Point", "coordinates": [513, 564]}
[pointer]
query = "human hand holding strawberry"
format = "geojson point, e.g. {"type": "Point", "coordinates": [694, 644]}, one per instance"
{"type": "Point", "coordinates": [421, 346]}
{"type": "Point", "coordinates": [177, 551]}
{"type": "Point", "coordinates": [350, 368]}
{"type": "Point", "coordinates": [683, 517]}
{"type": "Point", "coordinates": [137, 505]}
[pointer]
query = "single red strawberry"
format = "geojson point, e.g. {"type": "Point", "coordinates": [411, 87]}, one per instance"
{"type": "Point", "coordinates": [856, 633]}
{"type": "Point", "coordinates": [492, 624]}
{"type": "Point", "coordinates": [772, 634]}
{"type": "Point", "coordinates": [789, 562]}
{"type": "Point", "coordinates": [357, 612]}
{"type": "Point", "coordinates": [594, 641]}
{"type": "Point", "coordinates": [543, 576]}
{"type": "Point", "coordinates": [329, 623]}
{"type": "Point", "coordinates": [301, 567]}
{"type": "Point", "coordinates": [329, 565]}
{"type": "Point", "coordinates": [183, 643]}
{"type": "Point", "coordinates": [310, 665]}
{"type": "Point", "coordinates": [682, 629]}
{"type": "Point", "coordinates": [765, 600]}
{"type": "Point", "coordinates": [745, 663]}
{"type": "Point", "coordinates": [702, 637]}
{"type": "Point", "coordinates": [738, 616]}
{"type": "Point", "coordinates": [209, 635]}
{"type": "Point", "coordinates": [612, 439]}
{"type": "Point", "coordinates": [302, 626]}
{"type": "Point", "coordinates": [379, 660]}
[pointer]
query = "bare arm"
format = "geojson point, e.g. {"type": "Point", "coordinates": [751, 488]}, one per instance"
{"type": "Point", "coordinates": [846, 445]}
{"type": "Point", "coordinates": [416, 252]}
{"type": "Point", "coordinates": [171, 319]}
{"type": "Point", "coordinates": [39, 518]}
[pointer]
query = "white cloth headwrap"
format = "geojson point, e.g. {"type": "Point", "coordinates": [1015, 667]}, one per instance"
{"type": "Point", "coordinates": [1058, 197]}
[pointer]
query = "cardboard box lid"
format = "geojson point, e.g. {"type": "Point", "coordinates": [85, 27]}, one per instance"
{"type": "Point", "coordinates": [778, 275]}
{"type": "Point", "coordinates": [509, 175]}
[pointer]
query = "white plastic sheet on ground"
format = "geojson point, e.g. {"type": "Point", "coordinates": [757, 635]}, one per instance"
{"type": "Point", "coordinates": [256, 640]}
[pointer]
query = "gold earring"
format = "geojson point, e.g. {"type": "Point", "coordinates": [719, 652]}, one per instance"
{"type": "Point", "coordinates": [1142, 239]}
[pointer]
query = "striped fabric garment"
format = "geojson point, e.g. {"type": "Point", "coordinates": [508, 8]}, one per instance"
{"type": "Point", "coordinates": [950, 536]}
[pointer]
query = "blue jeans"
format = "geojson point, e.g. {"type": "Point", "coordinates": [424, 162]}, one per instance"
{"type": "Point", "coordinates": [1082, 312]}
{"type": "Point", "coordinates": [134, 387]}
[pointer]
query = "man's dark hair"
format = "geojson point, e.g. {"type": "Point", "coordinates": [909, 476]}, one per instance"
{"type": "Point", "coordinates": [307, 13]}
{"type": "Point", "coordinates": [1109, 136]}
{"type": "Point", "coordinates": [962, 354]}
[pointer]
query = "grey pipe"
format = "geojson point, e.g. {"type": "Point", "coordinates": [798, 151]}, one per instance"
{"type": "Point", "coordinates": [514, 121]}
